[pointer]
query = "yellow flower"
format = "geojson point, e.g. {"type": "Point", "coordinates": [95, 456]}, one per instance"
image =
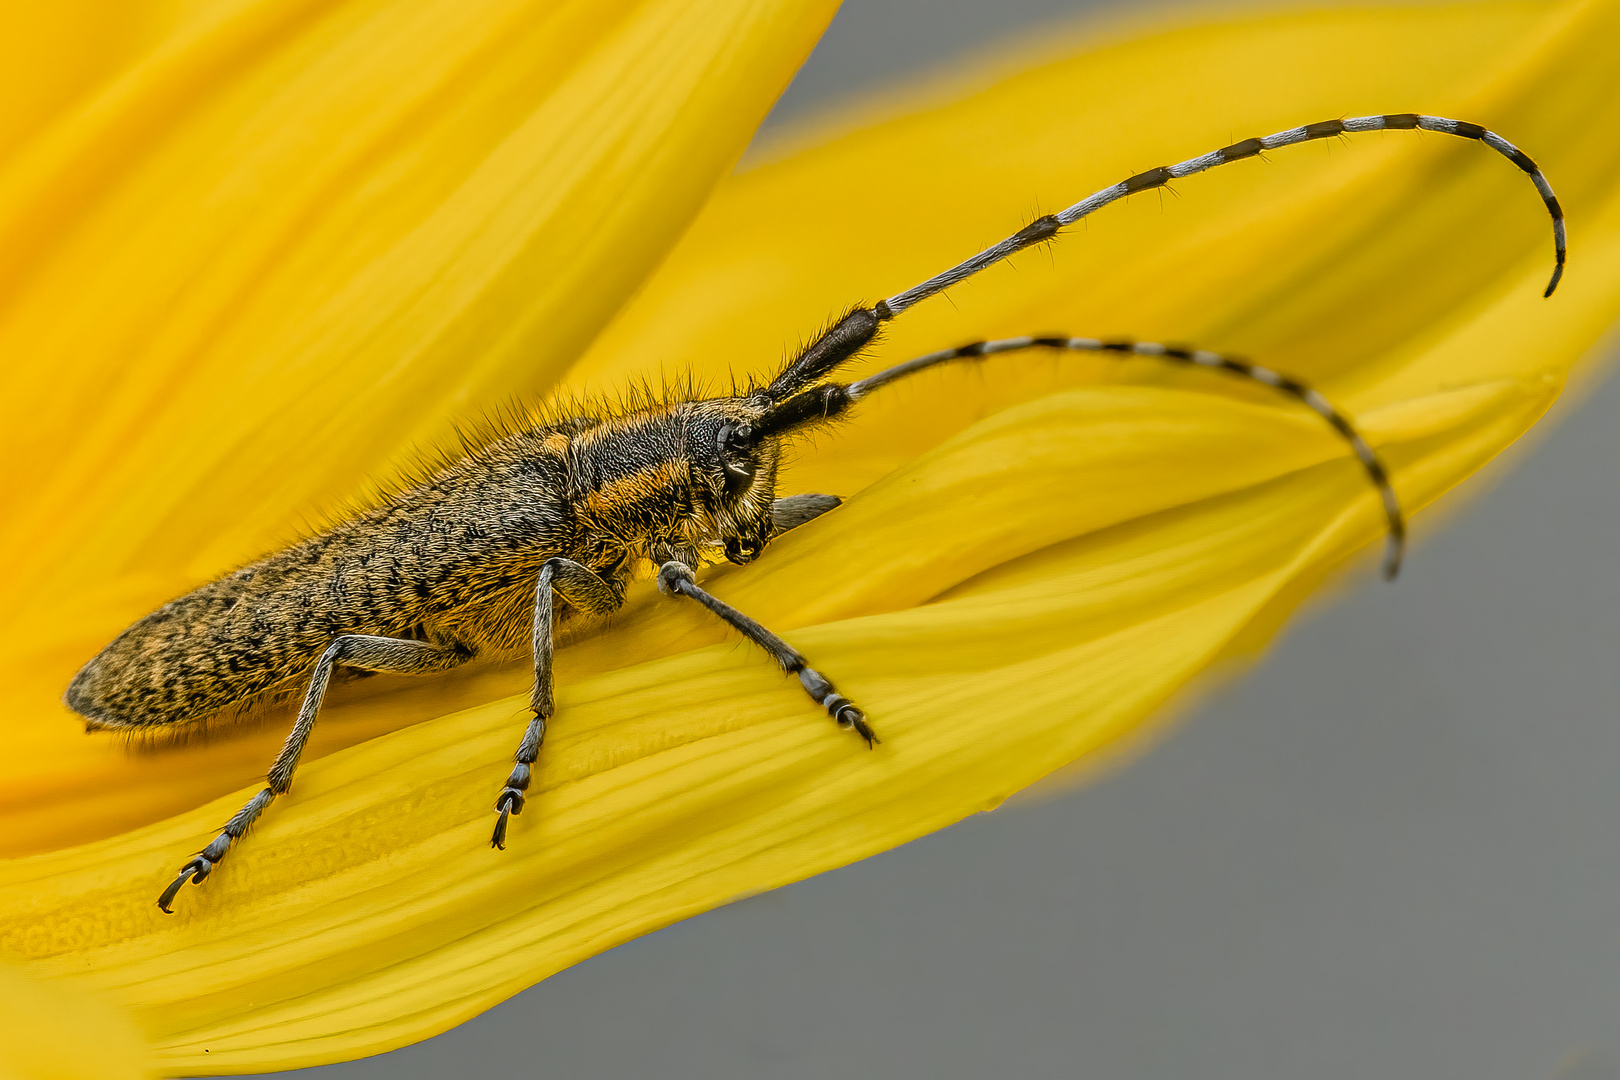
{"type": "Point", "coordinates": [283, 246]}
{"type": "Point", "coordinates": [49, 1032]}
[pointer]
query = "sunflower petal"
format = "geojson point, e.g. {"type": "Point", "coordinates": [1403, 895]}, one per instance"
{"type": "Point", "coordinates": [1089, 547]}
{"type": "Point", "coordinates": [50, 1032]}
{"type": "Point", "coordinates": [369, 910]}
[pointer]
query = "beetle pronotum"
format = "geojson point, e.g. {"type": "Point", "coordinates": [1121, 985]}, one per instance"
{"type": "Point", "coordinates": [472, 561]}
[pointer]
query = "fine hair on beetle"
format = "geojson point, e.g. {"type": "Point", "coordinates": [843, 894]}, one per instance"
{"type": "Point", "coordinates": [541, 519]}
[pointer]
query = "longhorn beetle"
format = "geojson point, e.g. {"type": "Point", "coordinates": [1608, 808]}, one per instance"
{"type": "Point", "coordinates": [474, 560]}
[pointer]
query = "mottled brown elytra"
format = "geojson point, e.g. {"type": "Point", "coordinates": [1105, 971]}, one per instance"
{"type": "Point", "coordinates": [470, 561]}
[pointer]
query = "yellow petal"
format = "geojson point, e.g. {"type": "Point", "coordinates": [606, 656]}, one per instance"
{"type": "Point", "coordinates": [1030, 561]}
{"type": "Point", "coordinates": [50, 1031]}
{"type": "Point", "coordinates": [54, 55]}
{"type": "Point", "coordinates": [289, 243]}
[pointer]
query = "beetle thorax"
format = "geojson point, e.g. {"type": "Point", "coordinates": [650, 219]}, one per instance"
{"type": "Point", "coordinates": [678, 481]}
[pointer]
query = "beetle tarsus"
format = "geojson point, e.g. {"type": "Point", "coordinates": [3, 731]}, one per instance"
{"type": "Point", "coordinates": [849, 717]}
{"type": "Point", "coordinates": [197, 869]}
{"type": "Point", "coordinates": [508, 803]}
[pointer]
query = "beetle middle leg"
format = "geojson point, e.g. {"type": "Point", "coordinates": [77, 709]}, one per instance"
{"type": "Point", "coordinates": [676, 579]}
{"type": "Point", "coordinates": [585, 590]}
{"type": "Point", "coordinates": [397, 656]}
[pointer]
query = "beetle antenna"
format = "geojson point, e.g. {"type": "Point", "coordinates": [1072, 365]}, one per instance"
{"type": "Point", "coordinates": [1044, 228]}
{"type": "Point", "coordinates": [1377, 471]}
{"type": "Point", "coordinates": [857, 329]}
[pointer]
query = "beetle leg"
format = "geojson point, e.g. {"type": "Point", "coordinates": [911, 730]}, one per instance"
{"type": "Point", "coordinates": [675, 579]}
{"type": "Point", "coordinates": [397, 656]}
{"type": "Point", "coordinates": [585, 590]}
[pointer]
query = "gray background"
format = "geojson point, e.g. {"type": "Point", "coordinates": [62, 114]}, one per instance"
{"type": "Point", "coordinates": [1391, 850]}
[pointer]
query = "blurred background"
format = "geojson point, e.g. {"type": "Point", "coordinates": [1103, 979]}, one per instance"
{"type": "Point", "coordinates": [1391, 849]}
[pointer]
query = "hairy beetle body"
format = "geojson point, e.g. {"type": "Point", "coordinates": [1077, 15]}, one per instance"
{"type": "Point", "coordinates": [450, 561]}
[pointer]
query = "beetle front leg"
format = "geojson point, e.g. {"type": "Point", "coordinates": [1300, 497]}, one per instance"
{"type": "Point", "coordinates": [676, 579]}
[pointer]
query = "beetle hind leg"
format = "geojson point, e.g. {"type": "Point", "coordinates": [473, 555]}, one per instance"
{"type": "Point", "coordinates": [364, 651]}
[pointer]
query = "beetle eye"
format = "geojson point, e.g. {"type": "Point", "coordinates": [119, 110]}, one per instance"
{"type": "Point", "coordinates": [736, 445]}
